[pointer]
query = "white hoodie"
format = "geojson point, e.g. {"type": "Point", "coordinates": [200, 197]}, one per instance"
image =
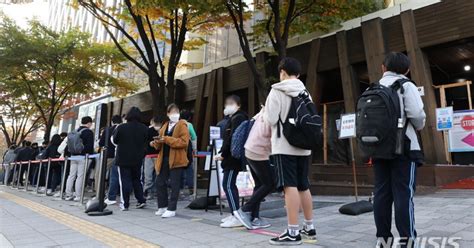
{"type": "Point", "coordinates": [276, 107]}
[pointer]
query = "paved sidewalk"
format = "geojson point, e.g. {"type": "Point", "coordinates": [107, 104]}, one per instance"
{"type": "Point", "coordinates": [29, 220]}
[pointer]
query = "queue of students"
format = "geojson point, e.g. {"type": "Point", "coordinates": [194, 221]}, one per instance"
{"type": "Point", "coordinates": [275, 161]}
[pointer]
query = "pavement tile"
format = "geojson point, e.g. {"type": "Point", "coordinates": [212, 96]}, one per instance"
{"type": "Point", "coordinates": [436, 215]}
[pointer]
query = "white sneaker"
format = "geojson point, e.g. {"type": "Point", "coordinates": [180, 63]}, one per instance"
{"type": "Point", "coordinates": [109, 202]}
{"type": "Point", "coordinates": [57, 194]}
{"type": "Point", "coordinates": [76, 199]}
{"type": "Point", "coordinates": [49, 192]}
{"type": "Point", "coordinates": [168, 214]}
{"type": "Point", "coordinates": [69, 198]}
{"type": "Point", "coordinates": [232, 222]}
{"type": "Point", "coordinates": [226, 218]}
{"type": "Point", "coordinates": [160, 211]}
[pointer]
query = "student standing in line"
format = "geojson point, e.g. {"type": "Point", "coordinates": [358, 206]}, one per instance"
{"type": "Point", "coordinates": [76, 171]}
{"type": "Point", "coordinates": [62, 149]}
{"type": "Point", "coordinates": [105, 141]}
{"type": "Point", "coordinates": [25, 154]}
{"type": "Point", "coordinates": [188, 175]}
{"type": "Point", "coordinates": [130, 141]}
{"type": "Point", "coordinates": [395, 179]}
{"type": "Point", "coordinates": [150, 157]}
{"type": "Point", "coordinates": [51, 151]}
{"type": "Point", "coordinates": [257, 151]}
{"type": "Point", "coordinates": [172, 143]}
{"type": "Point", "coordinates": [230, 165]}
{"type": "Point", "coordinates": [291, 162]}
{"type": "Point", "coordinates": [8, 157]}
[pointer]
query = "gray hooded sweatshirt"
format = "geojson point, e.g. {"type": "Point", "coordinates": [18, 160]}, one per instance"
{"type": "Point", "coordinates": [277, 107]}
{"type": "Point", "coordinates": [411, 102]}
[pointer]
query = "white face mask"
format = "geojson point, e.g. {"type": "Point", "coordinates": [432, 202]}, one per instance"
{"type": "Point", "coordinates": [230, 109]}
{"type": "Point", "coordinates": [174, 117]}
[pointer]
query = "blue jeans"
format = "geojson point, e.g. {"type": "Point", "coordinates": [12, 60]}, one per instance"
{"type": "Point", "coordinates": [113, 183]}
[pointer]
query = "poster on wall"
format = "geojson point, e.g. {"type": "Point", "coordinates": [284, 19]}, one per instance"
{"type": "Point", "coordinates": [348, 126]}
{"type": "Point", "coordinates": [461, 136]}
{"type": "Point", "coordinates": [444, 118]}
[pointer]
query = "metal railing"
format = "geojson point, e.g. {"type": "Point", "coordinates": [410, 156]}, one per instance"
{"type": "Point", "coordinates": [17, 168]}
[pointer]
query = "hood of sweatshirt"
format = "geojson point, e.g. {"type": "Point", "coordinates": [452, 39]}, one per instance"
{"type": "Point", "coordinates": [291, 87]}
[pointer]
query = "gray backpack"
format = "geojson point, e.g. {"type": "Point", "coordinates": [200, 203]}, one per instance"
{"type": "Point", "coordinates": [74, 142]}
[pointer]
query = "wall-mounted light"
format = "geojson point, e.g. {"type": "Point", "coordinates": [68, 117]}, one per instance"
{"type": "Point", "coordinates": [467, 67]}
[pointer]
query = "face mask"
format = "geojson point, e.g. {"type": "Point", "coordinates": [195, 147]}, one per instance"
{"type": "Point", "coordinates": [230, 109]}
{"type": "Point", "coordinates": [174, 117]}
{"type": "Point", "coordinates": [157, 128]}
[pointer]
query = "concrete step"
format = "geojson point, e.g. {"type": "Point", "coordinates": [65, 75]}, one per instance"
{"type": "Point", "coordinates": [339, 188]}
{"type": "Point", "coordinates": [335, 176]}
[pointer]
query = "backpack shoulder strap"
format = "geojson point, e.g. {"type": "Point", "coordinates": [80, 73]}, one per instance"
{"type": "Point", "coordinates": [399, 84]}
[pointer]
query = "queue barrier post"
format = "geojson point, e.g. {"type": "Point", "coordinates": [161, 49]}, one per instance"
{"type": "Point", "coordinates": [63, 179]}
{"type": "Point", "coordinates": [27, 173]}
{"type": "Point", "coordinates": [39, 175]}
{"type": "Point", "coordinates": [12, 184]}
{"type": "Point", "coordinates": [84, 179]}
{"type": "Point", "coordinates": [47, 176]}
{"type": "Point", "coordinates": [19, 175]}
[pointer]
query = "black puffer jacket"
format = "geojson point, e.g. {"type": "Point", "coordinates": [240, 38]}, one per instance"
{"type": "Point", "coordinates": [229, 162]}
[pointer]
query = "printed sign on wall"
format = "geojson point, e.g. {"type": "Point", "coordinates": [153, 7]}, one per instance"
{"type": "Point", "coordinates": [461, 136]}
{"type": "Point", "coordinates": [444, 118]}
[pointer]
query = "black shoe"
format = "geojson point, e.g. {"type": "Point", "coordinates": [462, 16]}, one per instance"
{"type": "Point", "coordinates": [140, 205]}
{"type": "Point", "coordinates": [308, 234]}
{"type": "Point", "coordinates": [286, 239]}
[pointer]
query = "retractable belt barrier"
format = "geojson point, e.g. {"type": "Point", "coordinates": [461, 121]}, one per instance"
{"type": "Point", "coordinates": [18, 166]}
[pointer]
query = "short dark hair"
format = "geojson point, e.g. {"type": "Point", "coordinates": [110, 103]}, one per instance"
{"type": "Point", "coordinates": [116, 119]}
{"type": "Point", "coordinates": [186, 115]}
{"type": "Point", "coordinates": [12, 147]}
{"type": "Point", "coordinates": [26, 143]}
{"type": "Point", "coordinates": [291, 66]}
{"type": "Point", "coordinates": [159, 119]}
{"type": "Point", "coordinates": [234, 98]}
{"type": "Point", "coordinates": [134, 114]}
{"type": "Point", "coordinates": [63, 134]}
{"type": "Point", "coordinates": [86, 119]}
{"type": "Point", "coordinates": [172, 106]}
{"type": "Point", "coordinates": [396, 62]}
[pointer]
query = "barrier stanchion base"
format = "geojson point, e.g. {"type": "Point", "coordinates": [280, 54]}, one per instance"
{"type": "Point", "coordinates": [103, 213]}
{"type": "Point", "coordinates": [356, 208]}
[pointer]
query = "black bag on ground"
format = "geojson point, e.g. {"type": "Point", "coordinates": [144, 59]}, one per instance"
{"type": "Point", "coordinates": [356, 208]}
{"type": "Point", "coordinates": [202, 203]}
{"type": "Point", "coordinates": [379, 127]}
{"type": "Point", "coordinates": [302, 127]}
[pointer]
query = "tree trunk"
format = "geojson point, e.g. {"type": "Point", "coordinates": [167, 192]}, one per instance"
{"type": "Point", "coordinates": [47, 131]}
{"type": "Point", "coordinates": [170, 86]}
{"type": "Point", "coordinates": [157, 95]}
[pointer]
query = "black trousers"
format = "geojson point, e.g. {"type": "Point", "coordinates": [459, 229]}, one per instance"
{"type": "Point", "coordinates": [174, 178]}
{"type": "Point", "coordinates": [129, 179]}
{"type": "Point", "coordinates": [54, 176]}
{"type": "Point", "coordinates": [230, 188]}
{"type": "Point", "coordinates": [395, 183]}
{"type": "Point", "coordinates": [264, 177]}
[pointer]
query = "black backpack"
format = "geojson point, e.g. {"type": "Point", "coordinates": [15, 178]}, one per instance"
{"type": "Point", "coordinates": [302, 127]}
{"type": "Point", "coordinates": [380, 132]}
